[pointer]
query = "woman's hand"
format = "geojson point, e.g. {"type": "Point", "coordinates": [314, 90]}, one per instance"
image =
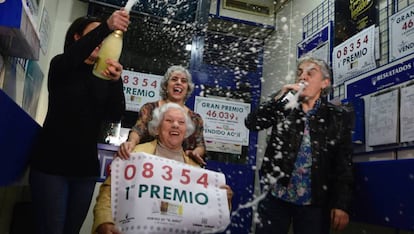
{"type": "Point", "coordinates": [107, 228]}
{"type": "Point", "coordinates": [229, 193]}
{"type": "Point", "coordinates": [125, 149]}
{"type": "Point", "coordinates": [113, 71]}
{"type": "Point", "coordinates": [119, 20]}
{"type": "Point", "coordinates": [196, 156]}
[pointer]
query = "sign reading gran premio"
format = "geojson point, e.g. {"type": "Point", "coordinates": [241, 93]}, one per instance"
{"type": "Point", "coordinates": [152, 194]}
{"type": "Point", "coordinates": [223, 120]}
{"type": "Point", "coordinates": [401, 33]}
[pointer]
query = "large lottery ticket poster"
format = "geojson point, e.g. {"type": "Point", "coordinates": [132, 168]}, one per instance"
{"type": "Point", "coordinates": [151, 194]}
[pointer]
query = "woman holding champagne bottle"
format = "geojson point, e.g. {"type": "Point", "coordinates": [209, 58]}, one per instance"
{"type": "Point", "coordinates": [64, 164]}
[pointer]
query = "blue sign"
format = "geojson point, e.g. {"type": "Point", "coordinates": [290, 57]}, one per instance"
{"type": "Point", "coordinates": [316, 40]}
{"type": "Point", "coordinates": [14, 155]}
{"type": "Point", "coordinates": [389, 77]}
{"type": "Point", "coordinates": [11, 14]}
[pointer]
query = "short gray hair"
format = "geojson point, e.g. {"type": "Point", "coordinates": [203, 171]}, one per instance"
{"type": "Point", "coordinates": [325, 69]}
{"type": "Point", "coordinates": [158, 116]}
{"type": "Point", "coordinates": [167, 76]}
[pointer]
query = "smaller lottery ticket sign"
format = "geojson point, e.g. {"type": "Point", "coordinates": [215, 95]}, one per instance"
{"type": "Point", "coordinates": [354, 56]}
{"type": "Point", "coordinates": [140, 88]}
{"type": "Point", "coordinates": [223, 120]}
{"type": "Point", "coordinates": [152, 194]}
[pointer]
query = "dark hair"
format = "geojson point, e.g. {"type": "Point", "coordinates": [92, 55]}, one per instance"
{"type": "Point", "coordinates": [167, 76]}
{"type": "Point", "coordinates": [77, 27]}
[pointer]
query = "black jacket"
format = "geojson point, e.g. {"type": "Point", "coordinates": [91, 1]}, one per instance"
{"type": "Point", "coordinates": [78, 104]}
{"type": "Point", "coordinates": [331, 143]}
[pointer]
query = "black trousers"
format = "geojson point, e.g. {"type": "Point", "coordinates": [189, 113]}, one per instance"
{"type": "Point", "coordinates": [276, 216]}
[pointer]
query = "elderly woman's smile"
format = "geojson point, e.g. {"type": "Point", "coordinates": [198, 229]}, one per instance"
{"type": "Point", "coordinates": [172, 128]}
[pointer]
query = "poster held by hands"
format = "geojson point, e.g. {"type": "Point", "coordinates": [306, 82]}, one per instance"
{"type": "Point", "coordinates": [151, 194]}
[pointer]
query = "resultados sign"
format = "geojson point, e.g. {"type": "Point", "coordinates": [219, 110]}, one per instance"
{"type": "Point", "coordinates": [151, 194]}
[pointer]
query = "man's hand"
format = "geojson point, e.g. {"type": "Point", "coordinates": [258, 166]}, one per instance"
{"type": "Point", "coordinates": [339, 219]}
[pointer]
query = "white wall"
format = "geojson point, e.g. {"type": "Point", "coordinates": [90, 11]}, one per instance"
{"type": "Point", "coordinates": [280, 48]}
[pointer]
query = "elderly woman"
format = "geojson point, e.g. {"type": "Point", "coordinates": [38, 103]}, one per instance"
{"type": "Point", "coordinates": [307, 165]}
{"type": "Point", "coordinates": [176, 87]}
{"type": "Point", "coordinates": [170, 125]}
